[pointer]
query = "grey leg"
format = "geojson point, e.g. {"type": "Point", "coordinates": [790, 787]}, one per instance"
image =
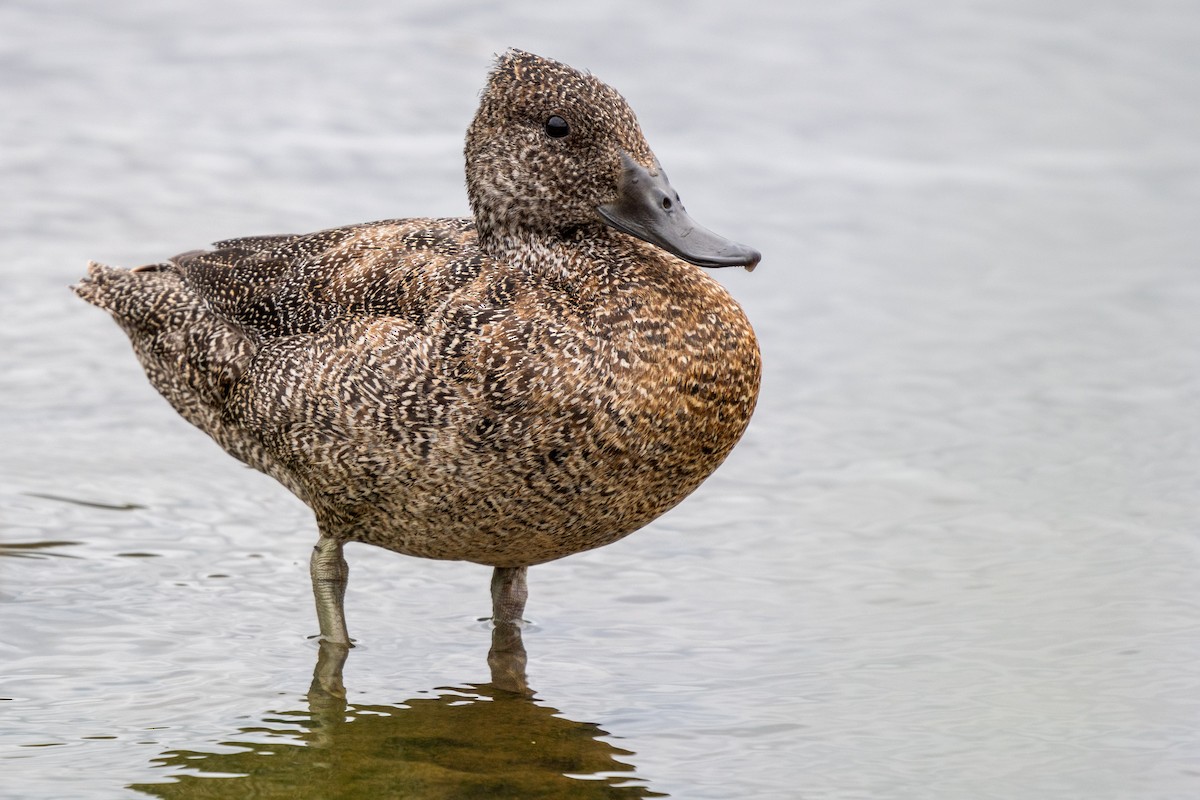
{"type": "Point", "coordinates": [509, 593]}
{"type": "Point", "coordinates": [329, 576]}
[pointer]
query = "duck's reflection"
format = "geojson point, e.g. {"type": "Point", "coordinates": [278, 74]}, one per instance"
{"type": "Point", "coordinates": [492, 740]}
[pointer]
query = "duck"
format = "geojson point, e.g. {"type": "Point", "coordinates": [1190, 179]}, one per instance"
{"type": "Point", "coordinates": [539, 379]}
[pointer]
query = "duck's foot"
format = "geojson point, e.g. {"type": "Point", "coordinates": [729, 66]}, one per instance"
{"type": "Point", "coordinates": [330, 574]}
{"type": "Point", "coordinates": [509, 593]}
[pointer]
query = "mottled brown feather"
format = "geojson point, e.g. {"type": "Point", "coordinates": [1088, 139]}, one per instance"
{"type": "Point", "coordinates": [506, 389]}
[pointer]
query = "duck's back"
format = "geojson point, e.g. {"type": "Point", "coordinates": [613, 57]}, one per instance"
{"type": "Point", "coordinates": [424, 397]}
{"type": "Point", "coordinates": [272, 286]}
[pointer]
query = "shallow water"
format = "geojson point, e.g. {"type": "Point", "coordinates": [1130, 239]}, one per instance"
{"type": "Point", "coordinates": [955, 556]}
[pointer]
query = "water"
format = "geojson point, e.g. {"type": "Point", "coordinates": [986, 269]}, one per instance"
{"type": "Point", "coordinates": [955, 556]}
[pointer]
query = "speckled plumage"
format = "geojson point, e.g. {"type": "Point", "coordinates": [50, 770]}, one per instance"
{"type": "Point", "coordinates": [507, 389]}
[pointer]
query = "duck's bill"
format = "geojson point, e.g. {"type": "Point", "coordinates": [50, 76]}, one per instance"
{"type": "Point", "coordinates": [648, 208]}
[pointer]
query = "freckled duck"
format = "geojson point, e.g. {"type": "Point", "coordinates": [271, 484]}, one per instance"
{"type": "Point", "coordinates": [543, 378]}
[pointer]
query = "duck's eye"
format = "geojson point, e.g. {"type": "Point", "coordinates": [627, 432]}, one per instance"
{"type": "Point", "coordinates": [557, 127]}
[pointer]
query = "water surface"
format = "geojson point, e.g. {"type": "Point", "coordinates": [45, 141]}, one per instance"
{"type": "Point", "coordinates": [955, 556]}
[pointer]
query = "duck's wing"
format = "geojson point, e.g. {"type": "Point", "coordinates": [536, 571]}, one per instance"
{"type": "Point", "coordinates": [207, 322]}
{"type": "Point", "coordinates": [272, 286]}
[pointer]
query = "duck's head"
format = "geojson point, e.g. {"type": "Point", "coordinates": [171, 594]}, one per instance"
{"type": "Point", "coordinates": [552, 151]}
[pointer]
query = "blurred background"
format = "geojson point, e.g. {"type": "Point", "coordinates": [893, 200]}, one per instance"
{"type": "Point", "coordinates": [956, 554]}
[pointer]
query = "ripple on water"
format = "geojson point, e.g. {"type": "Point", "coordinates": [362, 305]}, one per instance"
{"type": "Point", "coordinates": [953, 557]}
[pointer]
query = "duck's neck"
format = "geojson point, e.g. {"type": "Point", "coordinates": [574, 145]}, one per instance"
{"type": "Point", "coordinates": [572, 258]}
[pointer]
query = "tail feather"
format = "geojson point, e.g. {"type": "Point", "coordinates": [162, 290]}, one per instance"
{"type": "Point", "coordinates": [191, 355]}
{"type": "Point", "coordinates": [141, 299]}
{"type": "Point", "coordinates": [93, 287]}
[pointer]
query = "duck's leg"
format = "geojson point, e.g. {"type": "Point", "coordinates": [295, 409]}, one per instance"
{"type": "Point", "coordinates": [329, 576]}
{"type": "Point", "coordinates": [509, 594]}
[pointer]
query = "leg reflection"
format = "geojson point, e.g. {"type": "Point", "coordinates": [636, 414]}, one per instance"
{"type": "Point", "coordinates": [453, 741]}
{"type": "Point", "coordinates": [327, 674]}
{"type": "Point", "coordinates": [506, 659]}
